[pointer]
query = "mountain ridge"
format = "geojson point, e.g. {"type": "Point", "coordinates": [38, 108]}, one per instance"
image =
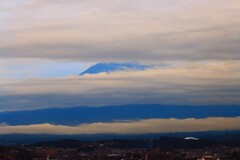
{"type": "Point", "coordinates": [78, 115]}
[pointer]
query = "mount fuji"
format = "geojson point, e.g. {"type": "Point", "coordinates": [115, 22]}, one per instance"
{"type": "Point", "coordinates": [113, 67]}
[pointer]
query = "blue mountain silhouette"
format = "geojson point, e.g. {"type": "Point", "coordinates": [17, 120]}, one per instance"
{"type": "Point", "coordinates": [112, 67]}
{"type": "Point", "coordinates": [79, 115]}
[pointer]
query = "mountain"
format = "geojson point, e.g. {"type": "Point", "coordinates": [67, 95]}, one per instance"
{"type": "Point", "coordinates": [80, 115]}
{"type": "Point", "coordinates": [112, 67]}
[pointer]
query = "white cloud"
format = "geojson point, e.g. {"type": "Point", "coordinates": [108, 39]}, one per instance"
{"type": "Point", "coordinates": [131, 127]}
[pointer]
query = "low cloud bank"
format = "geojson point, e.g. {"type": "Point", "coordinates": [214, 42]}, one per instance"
{"type": "Point", "coordinates": [130, 127]}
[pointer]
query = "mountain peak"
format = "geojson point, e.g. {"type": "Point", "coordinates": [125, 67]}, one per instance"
{"type": "Point", "coordinates": [112, 67]}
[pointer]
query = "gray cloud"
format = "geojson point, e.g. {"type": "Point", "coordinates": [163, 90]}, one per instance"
{"type": "Point", "coordinates": [120, 31]}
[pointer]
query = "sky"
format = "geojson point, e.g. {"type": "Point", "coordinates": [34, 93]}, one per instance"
{"type": "Point", "coordinates": [46, 44]}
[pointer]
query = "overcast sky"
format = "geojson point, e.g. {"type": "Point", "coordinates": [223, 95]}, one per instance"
{"type": "Point", "coordinates": [45, 44]}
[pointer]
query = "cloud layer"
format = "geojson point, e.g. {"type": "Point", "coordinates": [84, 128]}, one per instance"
{"type": "Point", "coordinates": [129, 127]}
{"type": "Point", "coordinates": [193, 83]}
{"type": "Point", "coordinates": [126, 30]}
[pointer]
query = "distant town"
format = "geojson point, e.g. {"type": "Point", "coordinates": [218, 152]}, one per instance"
{"type": "Point", "coordinates": [164, 148]}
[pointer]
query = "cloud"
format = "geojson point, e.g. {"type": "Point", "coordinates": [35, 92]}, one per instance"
{"type": "Point", "coordinates": [192, 83]}
{"type": "Point", "coordinates": [126, 30]}
{"type": "Point", "coordinates": [130, 127]}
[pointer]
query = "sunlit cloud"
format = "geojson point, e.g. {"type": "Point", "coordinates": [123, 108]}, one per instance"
{"type": "Point", "coordinates": [129, 127]}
